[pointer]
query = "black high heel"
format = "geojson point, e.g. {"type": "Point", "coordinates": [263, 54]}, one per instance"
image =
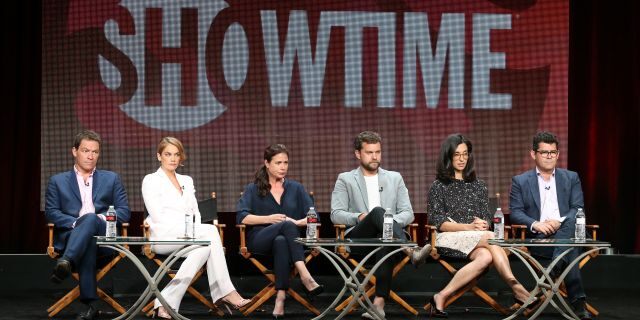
{"type": "Point", "coordinates": [313, 292]}
{"type": "Point", "coordinates": [434, 312]}
{"type": "Point", "coordinates": [277, 316]}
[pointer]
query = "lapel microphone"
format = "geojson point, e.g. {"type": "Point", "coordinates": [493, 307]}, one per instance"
{"type": "Point", "coordinates": [547, 188]}
{"type": "Point", "coordinates": [86, 183]}
{"type": "Point", "coordinates": [380, 190]}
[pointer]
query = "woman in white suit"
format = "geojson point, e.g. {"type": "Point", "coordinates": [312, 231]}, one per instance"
{"type": "Point", "coordinates": [167, 196]}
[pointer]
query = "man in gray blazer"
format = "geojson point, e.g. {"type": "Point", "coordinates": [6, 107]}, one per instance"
{"type": "Point", "coordinates": [359, 200]}
{"type": "Point", "coordinates": [546, 200]}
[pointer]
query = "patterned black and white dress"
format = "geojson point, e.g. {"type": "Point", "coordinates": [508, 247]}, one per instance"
{"type": "Point", "coordinates": [459, 202]}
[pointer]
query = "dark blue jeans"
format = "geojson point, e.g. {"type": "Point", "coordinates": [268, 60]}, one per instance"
{"type": "Point", "coordinates": [573, 280]}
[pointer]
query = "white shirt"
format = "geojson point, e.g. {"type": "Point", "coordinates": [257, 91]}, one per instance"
{"type": "Point", "coordinates": [373, 191]}
{"type": "Point", "coordinates": [86, 192]}
{"type": "Point", "coordinates": [549, 209]}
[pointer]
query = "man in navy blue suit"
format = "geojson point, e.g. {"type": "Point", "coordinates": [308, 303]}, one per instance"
{"type": "Point", "coordinates": [546, 200]}
{"type": "Point", "coordinates": [75, 203]}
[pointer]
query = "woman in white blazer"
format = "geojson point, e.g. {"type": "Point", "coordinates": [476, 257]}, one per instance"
{"type": "Point", "coordinates": [167, 196]}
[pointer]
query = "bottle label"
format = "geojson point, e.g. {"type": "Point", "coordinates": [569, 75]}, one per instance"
{"type": "Point", "coordinates": [497, 220]}
{"type": "Point", "coordinates": [110, 218]}
{"type": "Point", "coordinates": [312, 220]}
{"type": "Point", "coordinates": [581, 220]}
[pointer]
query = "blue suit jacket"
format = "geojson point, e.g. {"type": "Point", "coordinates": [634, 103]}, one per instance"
{"type": "Point", "coordinates": [63, 201]}
{"type": "Point", "coordinates": [524, 199]}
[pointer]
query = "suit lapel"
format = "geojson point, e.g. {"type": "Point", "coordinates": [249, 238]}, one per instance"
{"type": "Point", "coordinates": [382, 183]}
{"type": "Point", "coordinates": [73, 184]}
{"type": "Point", "coordinates": [561, 191]}
{"type": "Point", "coordinates": [363, 188]}
{"type": "Point", "coordinates": [96, 186]}
{"type": "Point", "coordinates": [535, 189]}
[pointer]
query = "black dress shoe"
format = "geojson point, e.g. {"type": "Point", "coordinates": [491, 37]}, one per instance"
{"type": "Point", "coordinates": [314, 292]}
{"type": "Point", "coordinates": [580, 309]}
{"type": "Point", "coordinates": [61, 271]}
{"type": "Point", "coordinates": [90, 314]}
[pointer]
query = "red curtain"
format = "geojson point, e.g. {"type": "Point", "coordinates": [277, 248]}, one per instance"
{"type": "Point", "coordinates": [604, 115]}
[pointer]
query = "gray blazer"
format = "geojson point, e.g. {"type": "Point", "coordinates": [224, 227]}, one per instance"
{"type": "Point", "coordinates": [349, 198]}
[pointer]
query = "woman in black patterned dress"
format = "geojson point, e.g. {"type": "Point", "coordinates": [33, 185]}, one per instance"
{"type": "Point", "coordinates": [458, 206]}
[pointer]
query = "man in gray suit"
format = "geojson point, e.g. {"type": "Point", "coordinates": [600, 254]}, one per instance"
{"type": "Point", "coordinates": [358, 201]}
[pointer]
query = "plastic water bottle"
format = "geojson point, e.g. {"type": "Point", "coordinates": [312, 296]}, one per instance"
{"type": "Point", "coordinates": [112, 218]}
{"type": "Point", "coordinates": [188, 224]}
{"type": "Point", "coordinates": [498, 224]}
{"type": "Point", "coordinates": [312, 224]}
{"type": "Point", "coordinates": [387, 225]}
{"type": "Point", "coordinates": [581, 221]}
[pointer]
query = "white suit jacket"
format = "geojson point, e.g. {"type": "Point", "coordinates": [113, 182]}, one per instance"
{"type": "Point", "coordinates": [165, 204]}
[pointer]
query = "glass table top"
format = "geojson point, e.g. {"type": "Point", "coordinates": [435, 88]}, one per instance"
{"type": "Point", "coordinates": [549, 242]}
{"type": "Point", "coordinates": [144, 240]}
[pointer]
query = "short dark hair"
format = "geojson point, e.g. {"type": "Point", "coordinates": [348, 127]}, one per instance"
{"type": "Point", "coordinates": [366, 137]}
{"type": "Point", "coordinates": [445, 171]}
{"type": "Point", "coordinates": [546, 137]}
{"type": "Point", "coordinates": [86, 135]}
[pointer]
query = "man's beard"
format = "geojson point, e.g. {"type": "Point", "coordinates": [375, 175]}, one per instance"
{"type": "Point", "coordinates": [372, 166]}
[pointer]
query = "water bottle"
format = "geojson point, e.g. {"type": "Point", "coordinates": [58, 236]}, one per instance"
{"type": "Point", "coordinates": [498, 224]}
{"type": "Point", "coordinates": [188, 224]}
{"type": "Point", "coordinates": [312, 224]}
{"type": "Point", "coordinates": [581, 220]}
{"type": "Point", "coordinates": [387, 225]}
{"type": "Point", "coordinates": [112, 218]}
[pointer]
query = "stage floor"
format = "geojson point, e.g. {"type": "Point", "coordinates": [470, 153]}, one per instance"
{"type": "Point", "coordinates": [611, 303]}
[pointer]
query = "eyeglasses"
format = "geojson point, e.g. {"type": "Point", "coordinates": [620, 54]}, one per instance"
{"type": "Point", "coordinates": [461, 155]}
{"type": "Point", "coordinates": [548, 153]}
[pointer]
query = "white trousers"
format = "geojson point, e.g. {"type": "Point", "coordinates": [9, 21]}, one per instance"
{"type": "Point", "coordinates": [213, 255]}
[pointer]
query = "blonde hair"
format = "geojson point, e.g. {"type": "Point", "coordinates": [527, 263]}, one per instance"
{"type": "Point", "coordinates": [174, 142]}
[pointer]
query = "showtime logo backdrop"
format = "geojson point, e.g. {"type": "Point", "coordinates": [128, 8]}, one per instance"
{"type": "Point", "coordinates": [229, 78]}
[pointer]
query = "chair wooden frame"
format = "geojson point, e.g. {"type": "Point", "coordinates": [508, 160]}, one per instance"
{"type": "Point", "coordinates": [75, 292]}
{"type": "Point", "coordinates": [340, 234]}
{"type": "Point", "coordinates": [146, 250]}
{"type": "Point", "coordinates": [520, 230]}
{"type": "Point", "coordinates": [471, 286]}
{"type": "Point", "coordinates": [269, 290]}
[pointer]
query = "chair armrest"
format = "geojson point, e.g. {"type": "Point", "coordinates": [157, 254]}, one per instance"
{"type": "Point", "coordinates": [125, 227]}
{"type": "Point", "coordinates": [412, 229]}
{"type": "Point", "coordinates": [146, 248]}
{"type": "Point", "coordinates": [243, 240]}
{"type": "Point", "coordinates": [51, 251]}
{"type": "Point", "coordinates": [515, 228]}
{"type": "Point", "coordinates": [340, 229]}
{"type": "Point", "coordinates": [220, 228]}
{"type": "Point", "coordinates": [432, 231]}
{"type": "Point", "coordinates": [594, 230]}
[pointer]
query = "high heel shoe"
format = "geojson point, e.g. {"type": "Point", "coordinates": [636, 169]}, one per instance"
{"type": "Point", "coordinates": [277, 316]}
{"type": "Point", "coordinates": [434, 312]}
{"type": "Point", "coordinates": [313, 292]}
{"type": "Point", "coordinates": [161, 313]}
{"type": "Point", "coordinates": [419, 255]}
{"type": "Point", "coordinates": [235, 306]}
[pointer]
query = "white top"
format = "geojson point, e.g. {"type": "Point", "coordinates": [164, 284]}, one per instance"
{"type": "Point", "coordinates": [549, 209]}
{"type": "Point", "coordinates": [373, 191]}
{"type": "Point", "coordinates": [166, 206]}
